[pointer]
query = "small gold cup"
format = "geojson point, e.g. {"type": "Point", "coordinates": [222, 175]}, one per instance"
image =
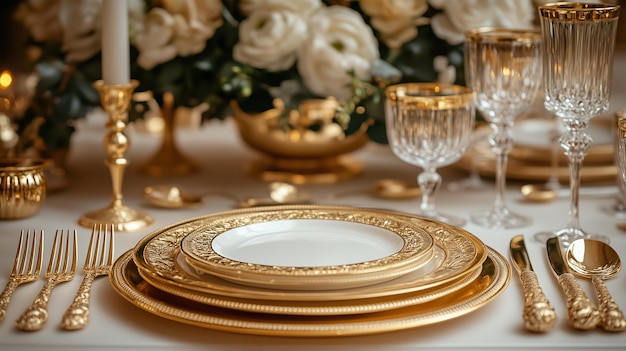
{"type": "Point", "coordinates": [23, 187]}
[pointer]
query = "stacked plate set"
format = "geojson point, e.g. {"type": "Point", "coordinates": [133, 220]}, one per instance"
{"type": "Point", "coordinates": [310, 270]}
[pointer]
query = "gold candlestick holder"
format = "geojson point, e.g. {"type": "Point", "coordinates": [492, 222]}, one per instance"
{"type": "Point", "coordinates": [115, 100]}
{"type": "Point", "coordinates": [168, 160]}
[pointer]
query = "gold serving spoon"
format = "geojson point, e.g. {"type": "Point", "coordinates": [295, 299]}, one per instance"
{"type": "Point", "coordinates": [545, 193]}
{"type": "Point", "coordinates": [597, 260]}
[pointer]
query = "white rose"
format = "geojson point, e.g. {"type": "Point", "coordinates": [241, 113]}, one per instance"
{"type": "Point", "coordinates": [458, 17]}
{"type": "Point", "coordinates": [269, 38]}
{"type": "Point", "coordinates": [81, 28]}
{"type": "Point", "coordinates": [301, 7]}
{"type": "Point", "coordinates": [195, 22]}
{"type": "Point", "coordinates": [338, 42]}
{"type": "Point", "coordinates": [41, 19]}
{"type": "Point", "coordinates": [179, 28]}
{"type": "Point", "coordinates": [154, 41]}
{"type": "Point", "coordinates": [396, 20]}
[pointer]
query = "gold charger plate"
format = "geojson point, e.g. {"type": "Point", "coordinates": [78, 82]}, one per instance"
{"type": "Point", "coordinates": [157, 256]}
{"type": "Point", "coordinates": [317, 308]}
{"type": "Point", "coordinates": [308, 248]}
{"type": "Point", "coordinates": [492, 281]}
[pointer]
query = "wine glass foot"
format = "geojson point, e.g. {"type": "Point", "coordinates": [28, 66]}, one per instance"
{"type": "Point", "coordinates": [500, 219]}
{"type": "Point", "coordinates": [444, 218]}
{"type": "Point", "coordinates": [617, 210]}
{"type": "Point", "coordinates": [472, 182]}
{"type": "Point", "coordinates": [568, 235]}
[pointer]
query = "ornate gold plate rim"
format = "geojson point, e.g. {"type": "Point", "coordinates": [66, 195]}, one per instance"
{"type": "Point", "coordinates": [317, 308]}
{"type": "Point", "coordinates": [493, 280]}
{"type": "Point", "coordinates": [416, 250]}
{"type": "Point", "coordinates": [156, 256]}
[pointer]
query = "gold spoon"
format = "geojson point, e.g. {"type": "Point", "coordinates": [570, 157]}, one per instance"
{"type": "Point", "coordinates": [597, 260]}
{"type": "Point", "coordinates": [384, 188]}
{"type": "Point", "coordinates": [173, 196]}
{"type": "Point", "coordinates": [545, 193]}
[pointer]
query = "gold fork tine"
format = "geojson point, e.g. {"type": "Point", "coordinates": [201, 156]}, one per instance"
{"type": "Point", "coordinates": [100, 249]}
{"type": "Point", "coordinates": [61, 268]}
{"type": "Point", "coordinates": [26, 266]}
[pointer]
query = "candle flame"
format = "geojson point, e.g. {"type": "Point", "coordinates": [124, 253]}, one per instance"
{"type": "Point", "coordinates": [5, 79]}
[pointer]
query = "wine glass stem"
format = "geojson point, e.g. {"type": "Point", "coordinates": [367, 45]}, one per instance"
{"type": "Point", "coordinates": [575, 143]}
{"type": "Point", "coordinates": [429, 181]}
{"type": "Point", "coordinates": [502, 142]}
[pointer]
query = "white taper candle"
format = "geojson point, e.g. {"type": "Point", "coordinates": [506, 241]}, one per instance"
{"type": "Point", "coordinates": [115, 44]}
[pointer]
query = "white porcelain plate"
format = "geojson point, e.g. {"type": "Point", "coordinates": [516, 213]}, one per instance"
{"type": "Point", "coordinates": [307, 243]}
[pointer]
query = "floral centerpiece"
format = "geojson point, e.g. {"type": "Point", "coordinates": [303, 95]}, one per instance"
{"type": "Point", "coordinates": [255, 51]}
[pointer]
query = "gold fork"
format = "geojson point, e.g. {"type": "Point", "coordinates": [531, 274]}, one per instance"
{"type": "Point", "coordinates": [26, 267]}
{"type": "Point", "coordinates": [99, 260]}
{"type": "Point", "coordinates": [61, 268]}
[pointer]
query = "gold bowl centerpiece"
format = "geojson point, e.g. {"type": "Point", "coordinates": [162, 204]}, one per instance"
{"type": "Point", "coordinates": [23, 187]}
{"type": "Point", "coordinates": [304, 146]}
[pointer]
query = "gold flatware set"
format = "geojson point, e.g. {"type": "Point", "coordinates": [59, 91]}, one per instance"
{"type": "Point", "coordinates": [587, 258]}
{"type": "Point", "coordinates": [61, 268]}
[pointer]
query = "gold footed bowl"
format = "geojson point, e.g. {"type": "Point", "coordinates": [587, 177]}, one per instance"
{"type": "Point", "coordinates": [23, 187]}
{"type": "Point", "coordinates": [312, 150]}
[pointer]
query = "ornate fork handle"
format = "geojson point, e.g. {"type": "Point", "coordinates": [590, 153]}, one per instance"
{"type": "Point", "coordinates": [77, 315]}
{"type": "Point", "coordinates": [539, 315]}
{"type": "Point", "coordinates": [36, 315]}
{"type": "Point", "coordinates": [5, 297]}
{"type": "Point", "coordinates": [581, 312]}
{"type": "Point", "coordinates": [612, 318]}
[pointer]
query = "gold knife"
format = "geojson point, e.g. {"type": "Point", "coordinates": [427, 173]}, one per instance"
{"type": "Point", "coordinates": [581, 312]}
{"type": "Point", "coordinates": [539, 315]}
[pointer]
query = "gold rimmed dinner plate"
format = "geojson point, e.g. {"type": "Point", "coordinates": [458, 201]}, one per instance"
{"type": "Point", "coordinates": [157, 258]}
{"type": "Point", "coordinates": [318, 308]}
{"type": "Point", "coordinates": [492, 280]}
{"type": "Point", "coordinates": [308, 248]}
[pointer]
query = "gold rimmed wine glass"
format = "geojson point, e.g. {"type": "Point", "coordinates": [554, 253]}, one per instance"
{"type": "Point", "coordinates": [430, 125]}
{"type": "Point", "coordinates": [579, 41]}
{"type": "Point", "coordinates": [503, 67]}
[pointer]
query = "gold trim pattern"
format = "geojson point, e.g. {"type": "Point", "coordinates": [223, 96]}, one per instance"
{"type": "Point", "coordinates": [492, 281]}
{"type": "Point", "coordinates": [319, 308]}
{"type": "Point", "coordinates": [156, 257]}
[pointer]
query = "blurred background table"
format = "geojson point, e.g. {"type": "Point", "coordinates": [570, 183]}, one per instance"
{"type": "Point", "coordinates": [118, 325]}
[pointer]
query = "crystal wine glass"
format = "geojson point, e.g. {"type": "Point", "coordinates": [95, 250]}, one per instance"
{"type": "Point", "coordinates": [430, 125]}
{"type": "Point", "coordinates": [579, 41]}
{"type": "Point", "coordinates": [503, 67]}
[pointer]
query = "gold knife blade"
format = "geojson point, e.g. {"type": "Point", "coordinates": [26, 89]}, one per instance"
{"type": "Point", "coordinates": [538, 313]}
{"type": "Point", "coordinates": [581, 312]}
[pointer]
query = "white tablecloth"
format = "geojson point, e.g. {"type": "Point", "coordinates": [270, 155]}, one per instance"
{"type": "Point", "coordinates": [117, 324]}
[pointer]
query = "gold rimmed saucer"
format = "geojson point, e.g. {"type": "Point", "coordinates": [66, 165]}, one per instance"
{"type": "Point", "coordinates": [157, 257]}
{"type": "Point", "coordinates": [494, 277]}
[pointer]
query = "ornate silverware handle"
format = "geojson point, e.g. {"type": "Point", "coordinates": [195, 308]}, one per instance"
{"type": "Point", "coordinates": [611, 316]}
{"type": "Point", "coordinates": [36, 315]}
{"type": "Point", "coordinates": [581, 312]}
{"type": "Point", "coordinates": [77, 315]}
{"type": "Point", "coordinates": [5, 297]}
{"type": "Point", "coordinates": [539, 315]}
